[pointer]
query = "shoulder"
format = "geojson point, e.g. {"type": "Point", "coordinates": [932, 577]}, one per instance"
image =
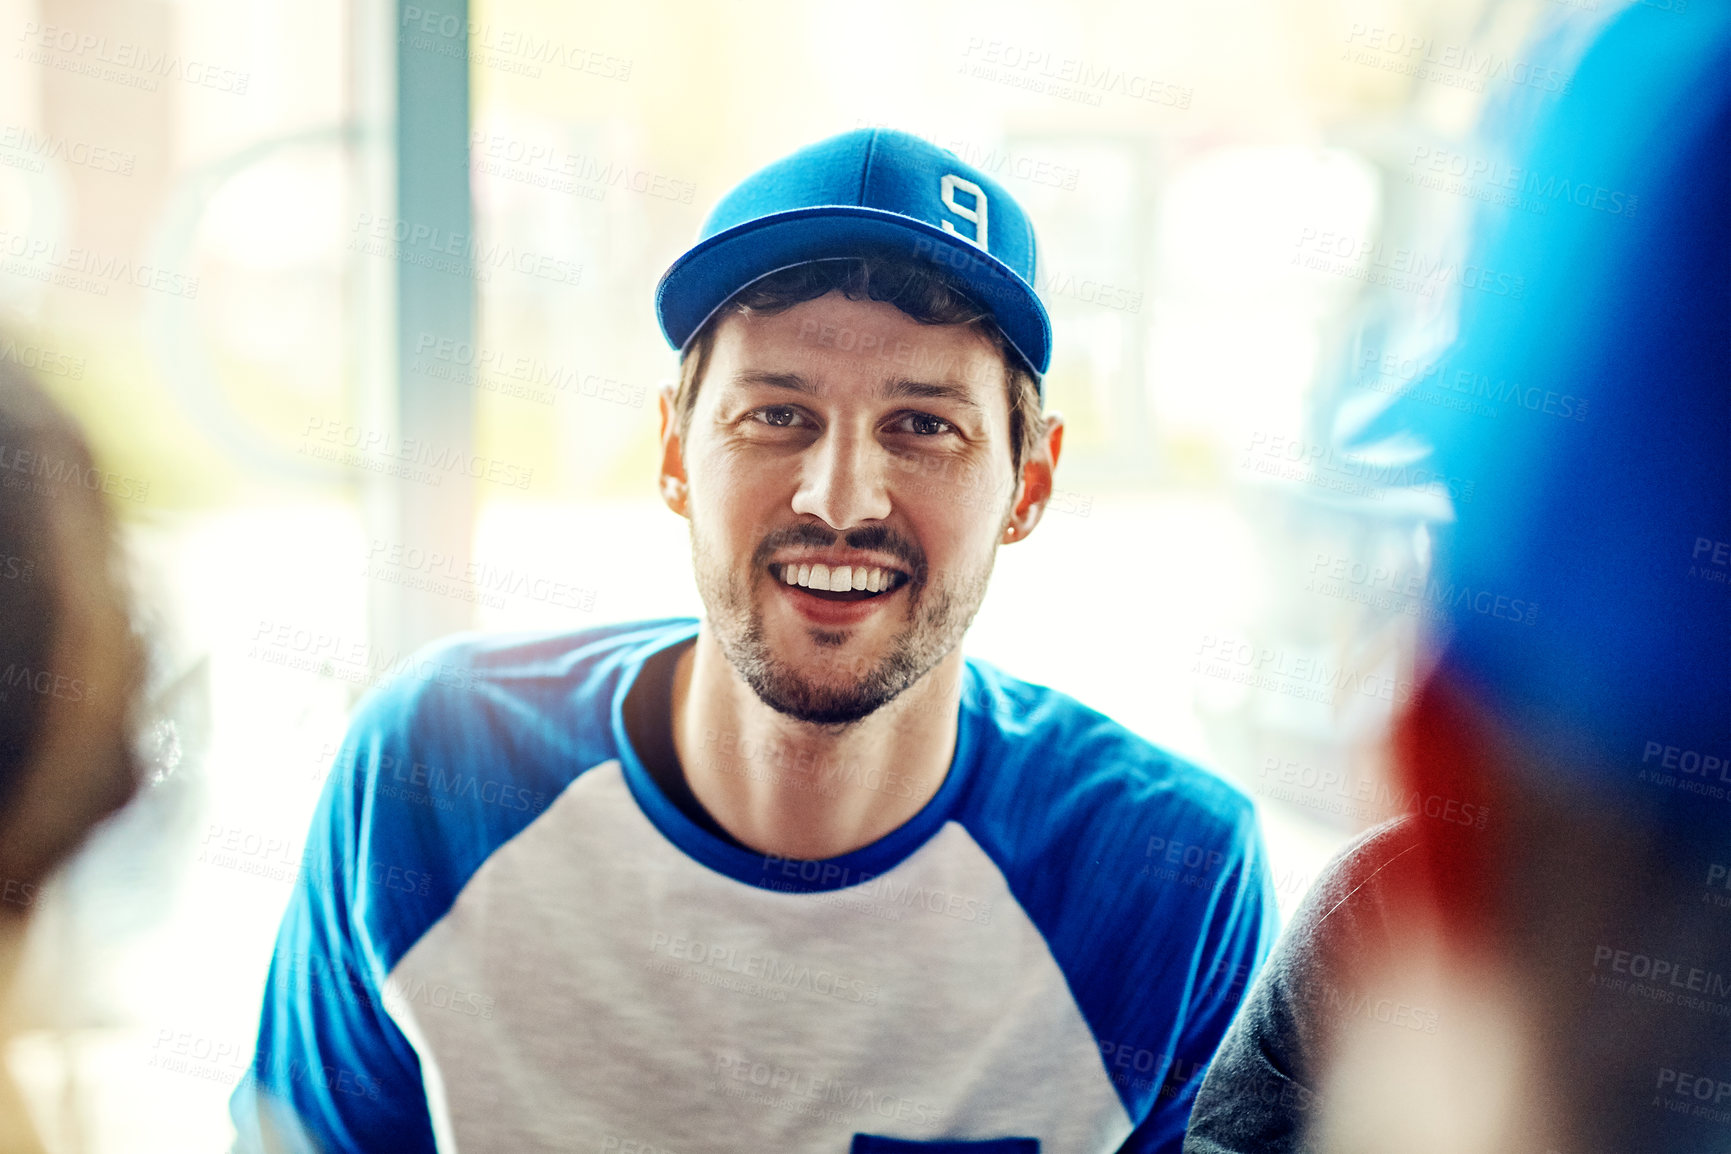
{"type": "Point", "coordinates": [1082, 768]}
{"type": "Point", "coordinates": [1348, 908]}
{"type": "Point", "coordinates": [1269, 1068]}
{"type": "Point", "coordinates": [1346, 920]}
{"type": "Point", "coordinates": [1375, 858]}
{"type": "Point", "coordinates": [467, 662]}
{"type": "Point", "coordinates": [1114, 847]}
{"type": "Point", "coordinates": [1143, 873]}
{"type": "Point", "coordinates": [453, 687]}
{"type": "Point", "coordinates": [475, 738]}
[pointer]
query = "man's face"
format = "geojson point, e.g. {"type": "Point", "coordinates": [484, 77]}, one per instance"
{"type": "Point", "coordinates": [843, 439]}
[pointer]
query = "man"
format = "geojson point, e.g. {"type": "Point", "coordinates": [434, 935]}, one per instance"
{"type": "Point", "coordinates": [1557, 977]}
{"type": "Point", "coordinates": [798, 877]}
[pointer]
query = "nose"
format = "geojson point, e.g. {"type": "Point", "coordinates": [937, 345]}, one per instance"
{"type": "Point", "coordinates": [842, 480]}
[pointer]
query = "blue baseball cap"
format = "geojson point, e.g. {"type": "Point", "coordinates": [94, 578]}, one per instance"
{"type": "Point", "coordinates": [871, 192]}
{"type": "Point", "coordinates": [1603, 487]}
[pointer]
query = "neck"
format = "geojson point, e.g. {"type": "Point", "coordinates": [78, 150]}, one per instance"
{"type": "Point", "coordinates": [798, 790]}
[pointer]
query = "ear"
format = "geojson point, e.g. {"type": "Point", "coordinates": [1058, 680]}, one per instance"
{"type": "Point", "coordinates": [1035, 489]}
{"type": "Point", "coordinates": [675, 487]}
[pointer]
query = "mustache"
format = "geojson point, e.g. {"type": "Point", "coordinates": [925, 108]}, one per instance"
{"type": "Point", "coordinates": [868, 539]}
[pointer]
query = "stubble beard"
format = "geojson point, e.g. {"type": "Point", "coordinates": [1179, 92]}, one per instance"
{"type": "Point", "coordinates": [940, 616]}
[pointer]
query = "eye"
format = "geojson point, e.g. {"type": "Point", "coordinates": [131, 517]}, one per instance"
{"type": "Point", "coordinates": [924, 425]}
{"type": "Point", "coordinates": [778, 416]}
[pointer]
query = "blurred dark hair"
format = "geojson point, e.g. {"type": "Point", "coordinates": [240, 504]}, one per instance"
{"type": "Point", "coordinates": [44, 464]}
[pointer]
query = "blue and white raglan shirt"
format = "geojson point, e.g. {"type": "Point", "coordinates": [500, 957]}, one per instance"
{"type": "Point", "coordinates": [509, 939]}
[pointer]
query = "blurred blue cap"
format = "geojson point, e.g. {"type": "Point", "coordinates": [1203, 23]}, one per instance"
{"type": "Point", "coordinates": [871, 192]}
{"type": "Point", "coordinates": [1603, 484]}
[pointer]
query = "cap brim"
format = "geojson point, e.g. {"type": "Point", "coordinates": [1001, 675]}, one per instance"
{"type": "Point", "coordinates": [703, 280]}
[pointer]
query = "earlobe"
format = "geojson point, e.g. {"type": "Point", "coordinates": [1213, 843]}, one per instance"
{"type": "Point", "coordinates": [1035, 489]}
{"type": "Point", "coordinates": [673, 492]}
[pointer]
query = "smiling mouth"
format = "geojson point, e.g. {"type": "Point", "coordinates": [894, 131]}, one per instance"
{"type": "Point", "coordinates": [842, 583]}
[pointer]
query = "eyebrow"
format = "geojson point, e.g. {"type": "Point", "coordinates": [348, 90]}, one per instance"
{"type": "Point", "coordinates": [933, 391]}
{"type": "Point", "coordinates": [902, 388]}
{"type": "Point", "coordinates": [793, 382]}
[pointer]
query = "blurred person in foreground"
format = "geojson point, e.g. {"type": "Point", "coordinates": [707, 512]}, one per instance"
{"type": "Point", "coordinates": [70, 670]}
{"type": "Point", "coordinates": [1560, 981]}
{"type": "Point", "coordinates": [797, 877]}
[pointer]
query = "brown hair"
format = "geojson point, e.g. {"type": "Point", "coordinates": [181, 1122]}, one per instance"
{"type": "Point", "coordinates": [917, 288]}
{"type": "Point", "coordinates": [36, 431]}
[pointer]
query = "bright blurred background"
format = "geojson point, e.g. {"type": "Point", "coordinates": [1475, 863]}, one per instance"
{"type": "Point", "coordinates": [356, 385]}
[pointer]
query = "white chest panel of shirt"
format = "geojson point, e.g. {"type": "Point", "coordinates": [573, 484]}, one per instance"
{"type": "Point", "coordinates": [593, 988]}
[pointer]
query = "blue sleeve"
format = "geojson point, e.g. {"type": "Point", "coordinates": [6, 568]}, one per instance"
{"type": "Point", "coordinates": [1145, 874]}
{"type": "Point", "coordinates": [452, 758]}
{"type": "Point", "coordinates": [333, 1073]}
{"type": "Point", "coordinates": [1242, 923]}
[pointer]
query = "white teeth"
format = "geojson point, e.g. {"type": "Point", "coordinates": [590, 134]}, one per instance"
{"type": "Point", "coordinates": [840, 579]}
